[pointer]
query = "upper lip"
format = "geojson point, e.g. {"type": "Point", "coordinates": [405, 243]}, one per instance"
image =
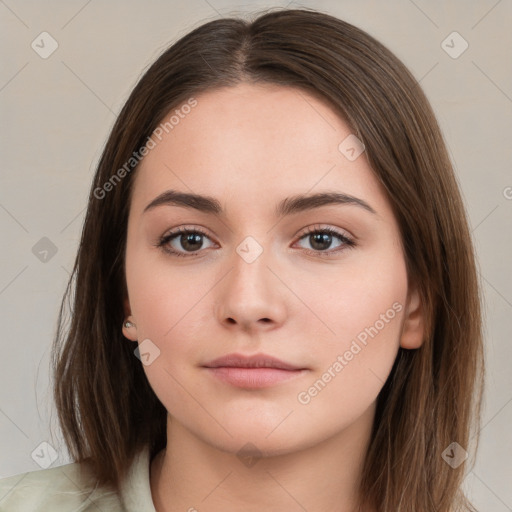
{"type": "Point", "coordinates": [254, 361]}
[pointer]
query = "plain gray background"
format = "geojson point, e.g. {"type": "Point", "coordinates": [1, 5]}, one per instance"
{"type": "Point", "coordinates": [56, 115]}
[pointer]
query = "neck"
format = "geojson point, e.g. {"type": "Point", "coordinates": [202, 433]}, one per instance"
{"type": "Point", "coordinates": [192, 475]}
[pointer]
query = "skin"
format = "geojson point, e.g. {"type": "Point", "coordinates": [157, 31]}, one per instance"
{"type": "Point", "coordinates": [251, 146]}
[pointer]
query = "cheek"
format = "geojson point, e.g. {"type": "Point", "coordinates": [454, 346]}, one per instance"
{"type": "Point", "coordinates": [168, 308]}
{"type": "Point", "coordinates": [364, 308]}
{"type": "Point", "coordinates": [170, 305]}
{"type": "Point", "coordinates": [161, 294]}
{"type": "Point", "coordinates": [362, 314]}
{"type": "Point", "coordinates": [355, 295]}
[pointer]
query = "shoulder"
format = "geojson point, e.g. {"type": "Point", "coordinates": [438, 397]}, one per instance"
{"type": "Point", "coordinates": [71, 487]}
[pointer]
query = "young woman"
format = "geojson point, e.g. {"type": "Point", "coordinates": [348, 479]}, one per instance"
{"type": "Point", "coordinates": [275, 301]}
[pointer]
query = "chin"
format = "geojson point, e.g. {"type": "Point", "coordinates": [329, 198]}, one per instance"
{"type": "Point", "coordinates": [251, 436]}
{"type": "Point", "coordinates": [253, 444]}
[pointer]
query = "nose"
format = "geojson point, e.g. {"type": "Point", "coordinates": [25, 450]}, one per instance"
{"type": "Point", "coordinates": [251, 296]}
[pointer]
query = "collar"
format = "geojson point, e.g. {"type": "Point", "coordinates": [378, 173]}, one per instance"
{"type": "Point", "coordinates": [135, 489]}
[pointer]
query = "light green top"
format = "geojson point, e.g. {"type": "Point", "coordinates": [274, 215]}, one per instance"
{"type": "Point", "coordinates": [70, 488]}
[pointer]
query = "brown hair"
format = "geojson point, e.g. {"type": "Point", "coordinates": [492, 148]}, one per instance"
{"type": "Point", "coordinates": [106, 408]}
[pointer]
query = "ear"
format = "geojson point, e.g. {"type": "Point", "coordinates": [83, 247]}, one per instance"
{"type": "Point", "coordinates": [128, 332]}
{"type": "Point", "coordinates": [413, 329]}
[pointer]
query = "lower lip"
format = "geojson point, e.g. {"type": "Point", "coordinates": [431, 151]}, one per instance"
{"type": "Point", "coordinates": [253, 377]}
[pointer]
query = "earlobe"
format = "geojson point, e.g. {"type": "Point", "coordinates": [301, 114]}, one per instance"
{"type": "Point", "coordinates": [129, 329]}
{"type": "Point", "coordinates": [413, 329]}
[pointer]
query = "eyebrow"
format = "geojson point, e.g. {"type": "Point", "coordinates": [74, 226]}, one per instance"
{"type": "Point", "coordinates": [288, 206]}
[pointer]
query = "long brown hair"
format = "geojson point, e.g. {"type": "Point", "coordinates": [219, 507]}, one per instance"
{"type": "Point", "coordinates": [106, 408]}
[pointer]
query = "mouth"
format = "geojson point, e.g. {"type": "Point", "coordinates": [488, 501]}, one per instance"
{"type": "Point", "coordinates": [252, 372]}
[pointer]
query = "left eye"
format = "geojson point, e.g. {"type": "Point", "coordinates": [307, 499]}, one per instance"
{"type": "Point", "coordinates": [322, 239]}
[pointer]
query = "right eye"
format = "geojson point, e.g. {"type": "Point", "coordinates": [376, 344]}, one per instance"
{"type": "Point", "coordinates": [181, 241]}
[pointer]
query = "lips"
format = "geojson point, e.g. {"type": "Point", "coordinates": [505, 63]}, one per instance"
{"type": "Point", "coordinates": [254, 361]}
{"type": "Point", "coordinates": [252, 372]}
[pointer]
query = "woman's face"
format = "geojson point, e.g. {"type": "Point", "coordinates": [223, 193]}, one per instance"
{"type": "Point", "coordinates": [262, 276]}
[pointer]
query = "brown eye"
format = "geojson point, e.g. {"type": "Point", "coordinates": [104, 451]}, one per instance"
{"type": "Point", "coordinates": [183, 241]}
{"type": "Point", "coordinates": [321, 241]}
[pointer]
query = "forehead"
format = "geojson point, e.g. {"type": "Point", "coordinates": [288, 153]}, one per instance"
{"type": "Point", "coordinates": [253, 144]}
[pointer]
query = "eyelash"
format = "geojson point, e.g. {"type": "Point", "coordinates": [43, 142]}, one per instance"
{"type": "Point", "coordinates": [348, 243]}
